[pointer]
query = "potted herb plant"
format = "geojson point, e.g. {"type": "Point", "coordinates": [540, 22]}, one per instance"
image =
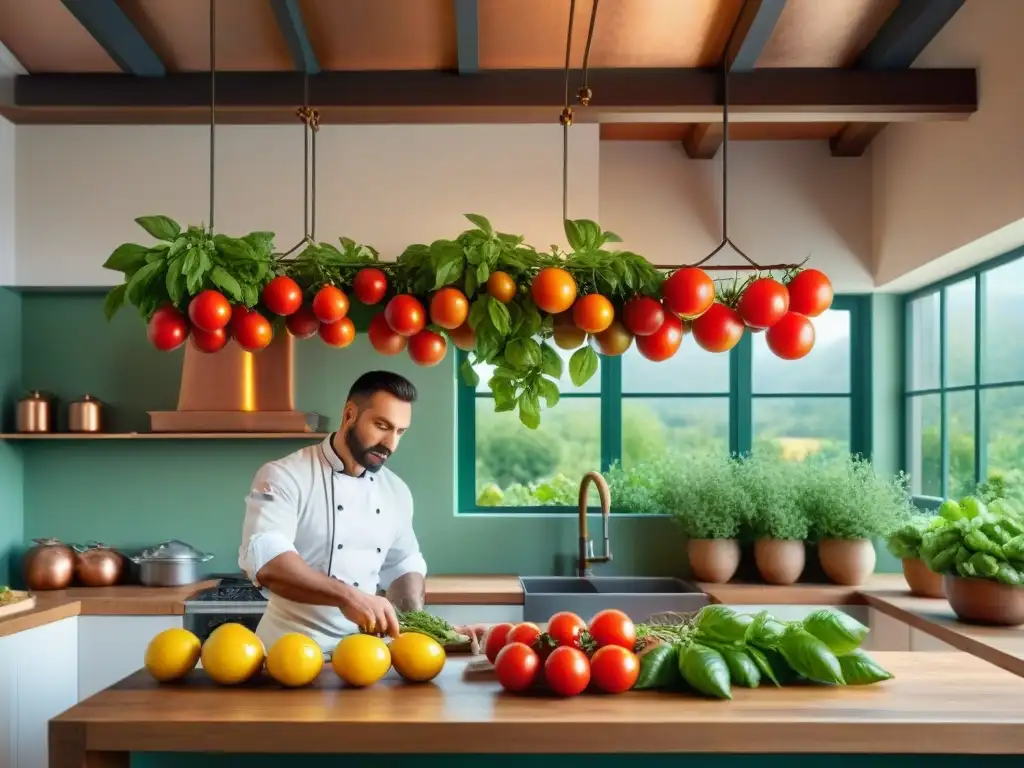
{"type": "Point", "coordinates": [774, 517]}
{"type": "Point", "coordinates": [905, 543]}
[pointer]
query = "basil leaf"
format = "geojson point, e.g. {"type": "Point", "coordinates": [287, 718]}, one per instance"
{"type": "Point", "coordinates": [176, 280]}
{"type": "Point", "coordinates": [481, 222]}
{"type": "Point", "coordinates": [659, 667]}
{"type": "Point", "coordinates": [765, 630]}
{"type": "Point", "coordinates": [114, 300]}
{"type": "Point", "coordinates": [547, 389]}
{"type": "Point", "coordinates": [722, 624]}
{"type": "Point", "coordinates": [742, 669]}
{"type": "Point", "coordinates": [838, 630]}
{"type": "Point", "coordinates": [809, 656]}
{"type": "Point", "coordinates": [529, 409]}
{"type": "Point", "coordinates": [550, 361]}
{"type": "Point", "coordinates": [228, 284]}
{"type": "Point", "coordinates": [126, 258]}
{"type": "Point", "coordinates": [762, 663]}
{"type": "Point", "coordinates": [141, 279]}
{"type": "Point", "coordinates": [499, 314]}
{"type": "Point", "coordinates": [469, 375]}
{"type": "Point", "coordinates": [523, 353]}
{"type": "Point", "coordinates": [705, 670]}
{"type": "Point", "coordinates": [160, 227]}
{"type": "Point", "coordinates": [860, 669]}
{"type": "Point", "coordinates": [582, 365]}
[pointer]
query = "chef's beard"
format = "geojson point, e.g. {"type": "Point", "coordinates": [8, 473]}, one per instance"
{"type": "Point", "coordinates": [362, 453]}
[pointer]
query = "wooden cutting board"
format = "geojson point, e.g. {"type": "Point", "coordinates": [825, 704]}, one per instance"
{"type": "Point", "coordinates": [13, 602]}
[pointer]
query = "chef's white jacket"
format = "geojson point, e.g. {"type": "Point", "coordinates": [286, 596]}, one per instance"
{"type": "Point", "coordinates": [355, 529]}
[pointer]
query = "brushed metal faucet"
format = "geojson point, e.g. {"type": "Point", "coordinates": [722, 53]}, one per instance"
{"type": "Point", "coordinates": [586, 555]}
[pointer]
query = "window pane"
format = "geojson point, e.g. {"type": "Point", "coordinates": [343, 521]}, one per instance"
{"type": "Point", "coordinates": [1003, 411]}
{"type": "Point", "coordinates": [923, 337]}
{"type": "Point", "coordinates": [924, 445]}
{"type": "Point", "coordinates": [825, 369]}
{"type": "Point", "coordinates": [652, 426]}
{"type": "Point", "coordinates": [960, 429]}
{"type": "Point", "coordinates": [691, 369]}
{"type": "Point", "coordinates": [960, 333]}
{"type": "Point", "coordinates": [565, 384]}
{"type": "Point", "coordinates": [540, 466]}
{"type": "Point", "coordinates": [795, 427]}
{"type": "Point", "coordinates": [1004, 310]}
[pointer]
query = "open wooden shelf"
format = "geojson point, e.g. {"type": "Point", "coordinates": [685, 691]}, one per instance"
{"type": "Point", "coordinates": [164, 436]}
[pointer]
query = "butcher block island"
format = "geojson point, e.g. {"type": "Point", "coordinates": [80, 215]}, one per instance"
{"type": "Point", "coordinates": [936, 704]}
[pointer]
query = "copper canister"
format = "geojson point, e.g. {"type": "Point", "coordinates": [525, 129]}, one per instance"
{"type": "Point", "coordinates": [85, 415]}
{"type": "Point", "coordinates": [35, 413]}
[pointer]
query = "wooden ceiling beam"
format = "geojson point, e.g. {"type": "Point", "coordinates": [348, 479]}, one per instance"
{"type": "Point", "coordinates": [906, 33]}
{"type": "Point", "coordinates": [703, 141]}
{"type": "Point", "coordinates": [467, 33]}
{"type": "Point", "coordinates": [114, 31]}
{"type": "Point", "coordinates": [293, 29]}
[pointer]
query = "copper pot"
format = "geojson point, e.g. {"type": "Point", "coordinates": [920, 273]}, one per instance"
{"type": "Point", "coordinates": [97, 565]}
{"type": "Point", "coordinates": [85, 415]}
{"type": "Point", "coordinates": [35, 413]}
{"type": "Point", "coordinates": [50, 564]}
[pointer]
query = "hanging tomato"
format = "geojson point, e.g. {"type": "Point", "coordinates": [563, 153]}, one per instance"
{"type": "Point", "coordinates": [688, 292]}
{"type": "Point", "coordinates": [405, 315]}
{"type": "Point", "coordinates": [370, 285]}
{"type": "Point", "coordinates": [792, 337]}
{"type": "Point", "coordinates": [664, 342]}
{"type": "Point", "coordinates": [719, 329]}
{"type": "Point", "coordinates": [339, 334]}
{"type": "Point", "coordinates": [282, 296]}
{"type": "Point", "coordinates": [383, 339]}
{"type": "Point", "coordinates": [763, 303]}
{"type": "Point", "coordinates": [330, 304]}
{"type": "Point", "coordinates": [167, 329]}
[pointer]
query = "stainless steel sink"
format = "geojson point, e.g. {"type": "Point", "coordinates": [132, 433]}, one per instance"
{"type": "Point", "coordinates": [639, 596]}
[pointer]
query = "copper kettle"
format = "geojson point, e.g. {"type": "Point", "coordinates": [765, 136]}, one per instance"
{"type": "Point", "coordinates": [97, 565]}
{"type": "Point", "coordinates": [50, 564]}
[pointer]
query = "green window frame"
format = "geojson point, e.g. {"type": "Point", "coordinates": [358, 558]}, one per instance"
{"type": "Point", "coordinates": [910, 440]}
{"type": "Point", "coordinates": [740, 407]}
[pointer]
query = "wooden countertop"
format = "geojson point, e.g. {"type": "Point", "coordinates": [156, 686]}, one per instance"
{"type": "Point", "coordinates": [938, 703]}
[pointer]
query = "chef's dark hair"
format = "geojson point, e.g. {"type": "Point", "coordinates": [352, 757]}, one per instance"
{"type": "Point", "coordinates": [382, 381]}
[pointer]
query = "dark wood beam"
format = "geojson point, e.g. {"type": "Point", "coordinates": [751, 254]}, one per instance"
{"type": "Point", "coordinates": [467, 30]}
{"type": "Point", "coordinates": [703, 141]}
{"type": "Point", "coordinates": [906, 33]}
{"type": "Point", "coordinates": [293, 28]}
{"type": "Point", "coordinates": [114, 31]}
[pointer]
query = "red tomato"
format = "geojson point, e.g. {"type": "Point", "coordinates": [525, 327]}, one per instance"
{"type": "Point", "coordinates": [763, 303]}
{"type": "Point", "coordinates": [370, 285]}
{"type": "Point", "coordinates": [207, 341]}
{"type": "Point", "coordinates": [810, 293]}
{"type": "Point", "coordinates": [383, 339]}
{"type": "Point", "coordinates": [593, 313]}
{"type": "Point", "coordinates": [567, 671]}
{"type": "Point", "coordinates": [449, 308]}
{"type": "Point", "coordinates": [167, 329]}
{"type": "Point", "coordinates": [427, 348]}
{"type": "Point", "coordinates": [282, 296]}
{"type": "Point", "coordinates": [495, 641]}
{"type": "Point", "coordinates": [516, 666]}
{"type": "Point", "coordinates": [664, 342]}
{"type": "Point", "coordinates": [565, 628]}
{"type": "Point", "coordinates": [209, 311]}
{"type": "Point", "coordinates": [643, 315]}
{"type": "Point", "coordinates": [719, 329]}
{"type": "Point", "coordinates": [330, 304]}
{"type": "Point", "coordinates": [302, 324]}
{"type": "Point", "coordinates": [238, 311]}
{"type": "Point", "coordinates": [688, 292]}
{"type": "Point", "coordinates": [792, 337]}
{"type": "Point", "coordinates": [612, 627]}
{"type": "Point", "coordinates": [613, 341]}
{"type": "Point", "coordinates": [339, 334]}
{"type": "Point", "coordinates": [526, 632]}
{"type": "Point", "coordinates": [553, 290]}
{"type": "Point", "coordinates": [614, 669]}
{"type": "Point", "coordinates": [405, 315]}
{"type": "Point", "coordinates": [253, 332]}
{"type": "Point", "coordinates": [463, 337]}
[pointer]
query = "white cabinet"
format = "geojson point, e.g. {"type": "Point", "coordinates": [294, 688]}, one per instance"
{"type": "Point", "coordinates": [112, 647]}
{"type": "Point", "coordinates": [8, 702]}
{"type": "Point", "coordinates": [477, 614]}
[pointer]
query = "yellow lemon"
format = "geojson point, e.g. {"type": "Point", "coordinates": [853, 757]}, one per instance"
{"type": "Point", "coordinates": [417, 657]}
{"type": "Point", "coordinates": [172, 654]}
{"type": "Point", "coordinates": [294, 660]}
{"type": "Point", "coordinates": [361, 660]}
{"type": "Point", "coordinates": [232, 654]}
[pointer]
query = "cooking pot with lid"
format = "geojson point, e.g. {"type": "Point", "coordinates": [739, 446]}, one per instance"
{"type": "Point", "coordinates": [170, 564]}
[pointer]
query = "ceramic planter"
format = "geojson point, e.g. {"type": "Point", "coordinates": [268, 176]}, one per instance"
{"type": "Point", "coordinates": [922, 581]}
{"type": "Point", "coordinates": [982, 601]}
{"type": "Point", "coordinates": [780, 561]}
{"type": "Point", "coordinates": [713, 560]}
{"type": "Point", "coordinates": [847, 561]}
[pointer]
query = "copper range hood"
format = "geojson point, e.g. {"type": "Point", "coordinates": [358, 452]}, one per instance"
{"type": "Point", "coordinates": [238, 391]}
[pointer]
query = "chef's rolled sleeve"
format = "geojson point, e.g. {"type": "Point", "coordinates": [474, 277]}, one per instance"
{"type": "Point", "coordinates": [271, 518]}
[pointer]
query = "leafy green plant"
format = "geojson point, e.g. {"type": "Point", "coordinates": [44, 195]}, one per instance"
{"type": "Point", "coordinates": [973, 540]}
{"type": "Point", "coordinates": [637, 489]}
{"type": "Point", "coordinates": [559, 491]}
{"type": "Point", "coordinates": [904, 543]}
{"type": "Point", "coordinates": [706, 498]}
{"type": "Point", "coordinates": [771, 485]}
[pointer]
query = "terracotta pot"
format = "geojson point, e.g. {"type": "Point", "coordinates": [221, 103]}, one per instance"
{"type": "Point", "coordinates": [980, 601]}
{"type": "Point", "coordinates": [780, 561]}
{"type": "Point", "coordinates": [713, 560]}
{"type": "Point", "coordinates": [847, 561]}
{"type": "Point", "coordinates": [922, 581]}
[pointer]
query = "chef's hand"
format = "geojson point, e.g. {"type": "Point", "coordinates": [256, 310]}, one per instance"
{"type": "Point", "coordinates": [476, 634]}
{"type": "Point", "coordinates": [372, 614]}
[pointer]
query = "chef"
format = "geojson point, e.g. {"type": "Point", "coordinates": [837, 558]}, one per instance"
{"type": "Point", "coordinates": [328, 529]}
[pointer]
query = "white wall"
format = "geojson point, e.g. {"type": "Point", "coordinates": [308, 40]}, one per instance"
{"type": "Point", "coordinates": [7, 198]}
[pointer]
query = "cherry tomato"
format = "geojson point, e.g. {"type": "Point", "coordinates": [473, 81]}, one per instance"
{"type": "Point", "coordinates": [463, 337]}
{"type": "Point", "coordinates": [370, 285]}
{"type": "Point", "coordinates": [167, 329]}
{"type": "Point", "coordinates": [526, 632]}
{"type": "Point", "coordinates": [339, 334]}
{"type": "Point", "coordinates": [282, 296]}
{"type": "Point", "coordinates": [719, 329]}
{"type": "Point", "coordinates": [664, 342]}
{"type": "Point", "coordinates": [209, 341]}
{"type": "Point", "coordinates": [238, 311]}
{"type": "Point", "coordinates": [688, 292]}
{"type": "Point", "coordinates": [553, 290]}
{"type": "Point", "coordinates": [613, 627]}
{"type": "Point", "coordinates": [565, 628]}
{"type": "Point", "coordinates": [643, 315]}
{"type": "Point", "coordinates": [565, 332]}
{"type": "Point", "coordinates": [613, 341]}
{"type": "Point", "coordinates": [449, 308]}
{"type": "Point", "coordinates": [516, 666]}
{"type": "Point", "coordinates": [614, 669]}
{"type": "Point", "coordinates": [763, 303]}
{"type": "Point", "coordinates": [496, 637]}
{"type": "Point", "coordinates": [501, 286]}
{"type": "Point", "coordinates": [330, 304]}
{"type": "Point", "coordinates": [427, 348]}
{"type": "Point", "coordinates": [810, 293]}
{"type": "Point", "coordinates": [792, 337]}
{"type": "Point", "coordinates": [209, 310]}
{"type": "Point", "coordinates": [405, 315]}
{"type": "Point", "coordinates": [593, 313]}
{"type": "Point", "coordinates": [302, 324]}
{"type": "Point", "coordinates": [383, 339]}
{"type": "Point", "coordinates": [253, 332]}
{"type": "Point", "coordinates": [567, 671]}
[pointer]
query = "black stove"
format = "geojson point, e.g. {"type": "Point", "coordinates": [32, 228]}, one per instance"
{"type": "Point", "coordinates": [234, 599]}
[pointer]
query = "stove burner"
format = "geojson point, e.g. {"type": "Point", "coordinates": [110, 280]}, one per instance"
{"type": "Point", "coordinates": [230, 589]}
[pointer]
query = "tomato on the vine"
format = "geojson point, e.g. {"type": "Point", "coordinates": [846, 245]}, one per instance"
{"type": "Point", "coordinates": [792, 337]}
{"type": "Point", "coordinates": [643, 315]}
{"type": "Point", "coordinates": [302, 324]}
{"type": "Point", "coordinates": [383, 339]}
{"type": "Point", "coordinates": [427, 348]}
{"type": "Point", "coordinates": [524, 632]}
{"type": "Point", "coordinates": [463, 337]}
{"type": "Point", "coordinates": [253, 332]}
{"type": "Point", "coordinates": [282, 295]}
{"type": "Point", "coordinates": [614, 669]}
{"type": "Point", "coordinates": [370, 285]}
{"type": "Point", "coordinates": [567, 671]}
{"type": "Point", "coordinates": [167, 329]}
{"type": "Point", "coordinates": [763, 303]}
{"type": "Point", "coordinates": [209, 341]}
{"type": "Point", "coordinates": [612, 627]}
{"type": "Point", "coordinates": [593, 313]}
{"type": "Point", "coordinates": [516, 666]}
{"type": "Point", "coordinates": [209, 310]}
{"type": "Point", "coordinates": [330, 304]}
{"type": "Point", "coordinates": [613, 341]}
{"type": "Point", "coordinates": [553, 290]}
{"type": "Point", "coordinates": [810, 293]}
{"type": "Point", "coordinates": [719, 329]}
{"type": "Point", "coordinates": [565, 333]}
{"type": "Point", "coordinates": [405, 315]}
{"type": "Point", "coordinates": [449, 308]}
{"type": "Point", "coordinates": [501, 286]}
{"type": "Point", "coordinates": [339, 334]}
{"type": "Point", "coordinates": [688, 292]}
{"type": "Point", "coordinates": [565, 628]}
{"type": "Point", "coordinates": [496, 637]}
{"type": "Point", "coordinates": [663, 343]}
